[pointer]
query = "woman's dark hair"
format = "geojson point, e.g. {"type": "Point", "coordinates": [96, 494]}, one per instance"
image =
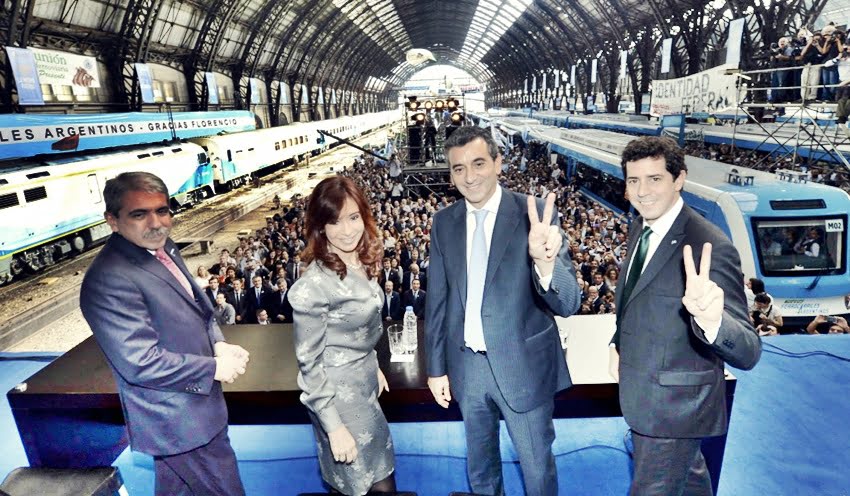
{"type": "Point", "coordinates": [756, 285]}
{"type": "Point", "coordinates": [323, 207]}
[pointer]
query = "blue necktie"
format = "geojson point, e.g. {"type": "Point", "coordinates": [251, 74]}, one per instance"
{"type": "Point", "coordinates": [473, 333]}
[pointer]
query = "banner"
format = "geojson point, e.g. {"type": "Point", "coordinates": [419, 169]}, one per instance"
{"type": "Point", "coordinates": [212, 88]}
{"type": "Point", "coordinates": [544, 83]}
{"type": "Point", "coordinates": [594, 64]}
{"type": "Point", "coordinates": [666, 48]}
{"type": "Point", "coordinates": [705, 91]}
{"type": "Point", "coordinates": [66, 69]}
{"type": "Point", "coordinates": [624, 56]}
{"type": "Point", "coordinates": [733, 44]}
{"type": "Point", "coordinates": [143, 74]}
{"type": "Point", "coordinates": [534, 84]}
{"type": "Point", "coordinates": [26, 77]}
{"type": "Point", "coordinates": [25, 135]}
{"type": "Point", "coordinates": [557, 78]}
{"type": "Point", "coordinates": [525, 87]}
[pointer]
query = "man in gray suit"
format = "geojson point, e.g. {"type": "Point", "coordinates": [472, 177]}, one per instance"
{"type": "Point", "coordinates": [168, 356]}
{"type": "Point", "coordinates": [223, 312]}
{"type": "Point", "coordinates": [499, 272]}
{"type": "Point", "coordinates": [676, 325]}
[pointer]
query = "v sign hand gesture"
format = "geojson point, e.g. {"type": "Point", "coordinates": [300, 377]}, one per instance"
{"type": "Point", "coordinates": [544, 239]}
{"type": "Point", "coordinates": [703, 298]}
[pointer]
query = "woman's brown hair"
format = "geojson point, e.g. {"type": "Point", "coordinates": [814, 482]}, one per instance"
{"type": "Point", "coordinates": [323, 207]}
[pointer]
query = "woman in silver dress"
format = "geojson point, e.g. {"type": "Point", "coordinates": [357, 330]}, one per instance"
{"type": "Point", "coordinates": [337, 320]}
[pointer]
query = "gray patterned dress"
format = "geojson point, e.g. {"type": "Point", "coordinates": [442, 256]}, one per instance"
{"type": "Point", "coordinates": [337, 324]}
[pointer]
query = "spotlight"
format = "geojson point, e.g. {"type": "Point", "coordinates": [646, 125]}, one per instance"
{"type": "Point", "coordinates": [412, 104]}
{"type": "Point", "coordinates": [429, 105]}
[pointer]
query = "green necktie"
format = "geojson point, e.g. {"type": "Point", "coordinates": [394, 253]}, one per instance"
{"type": "Point", "coordinates": [637, 265]}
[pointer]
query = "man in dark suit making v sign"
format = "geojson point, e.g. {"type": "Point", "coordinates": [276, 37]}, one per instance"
{"type": "Point", "coordinates": [676, 325]}
{"type": "Point", "coordinates": [499, 271]}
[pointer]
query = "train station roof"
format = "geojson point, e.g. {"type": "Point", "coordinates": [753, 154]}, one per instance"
{"type": "Point", "coordinates": [349, 44]}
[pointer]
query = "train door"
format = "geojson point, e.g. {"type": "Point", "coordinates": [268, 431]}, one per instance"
{"type": "Point", "coordinates": [95, 196]}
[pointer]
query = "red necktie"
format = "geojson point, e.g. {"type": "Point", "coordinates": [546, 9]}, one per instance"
{"type": "Point", "coordinates": [175, 271]}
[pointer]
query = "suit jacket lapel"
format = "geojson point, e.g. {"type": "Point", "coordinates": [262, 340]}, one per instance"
{"type": "Point", "coordinates": [454, 258]}
{"type": "Point", "coordinates": [663, 254]}
{"type": "Point", "coordinates": [503, 232]}
{"type": "Point", "coordinates": [145, 261]}
{"type": "Point", "coordinates": [630, 250]}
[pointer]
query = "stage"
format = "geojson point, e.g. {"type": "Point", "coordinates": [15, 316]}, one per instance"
{"type": "Point", "coordinates": [76, 394]}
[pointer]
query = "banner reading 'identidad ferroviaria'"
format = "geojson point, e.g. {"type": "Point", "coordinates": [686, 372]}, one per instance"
{"type": "Point", "coordinates": [705, 91]}
{"type": "Point", "coordinates": [66, 69]}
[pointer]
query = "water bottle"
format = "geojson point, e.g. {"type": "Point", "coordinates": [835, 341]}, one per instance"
{"type": "Point", "coordinates": [410, 334]}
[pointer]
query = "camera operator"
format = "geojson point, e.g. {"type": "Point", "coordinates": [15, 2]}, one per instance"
{"type": "Point", "coordinates": [831, 48]}
{"type": "Point", "coordinates": [766, 316]}
{"type": "Point", "coordinates": [828, 324]}
{"type": "Point", "coordinates": [811, 56]}
{"type": "Point", "coordinates": [781, 59]}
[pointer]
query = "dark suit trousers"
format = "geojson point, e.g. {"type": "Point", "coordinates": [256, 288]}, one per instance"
{"type": "Point", "coordinates": [669, 467]}
{"type": "Point", "coordinates": [532, 433]}
{"type": "Point", "coordinates": [209, 470]}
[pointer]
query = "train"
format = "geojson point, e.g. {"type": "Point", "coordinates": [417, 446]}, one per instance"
{"type": "Point", "coordinates": [53, 208]}
{"type": "Point", "coordinates": [824, 141]}
{"type": "Point", "coordinates": [26, 135]}
{"type": "Point", "coordinates": [764, 214]}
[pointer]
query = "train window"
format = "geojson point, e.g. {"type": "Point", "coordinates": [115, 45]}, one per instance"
{"type": "Point", "coordinates": [229, 156]}
{"type": "Point", "coordinates": [35, 194]}
{"type": "Point", "coordinates": [801, 245]}
{"type": "Point", "coordinates": [250, 149]}
{"type": "Point", "coordinates": [283, 144]}
{"type": "Point", "coordinates": [144, 155]}
{"type": "Point", "coordinates": [9, 200]}
{"type": "Point", "coordinates": [158, 154]}
{"type": "Point", "coordinates": [277, 145]}
{"type": "Point", "coordinates": [4, 181]}
{"type": "Point", "coordinates": [178, 150]}
{"type": "Point", "coordinates": [38, 174]}
{"type": "Point", "coordinates": [202, 158]}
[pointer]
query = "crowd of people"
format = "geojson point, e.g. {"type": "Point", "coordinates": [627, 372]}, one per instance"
{"type": "Point", "coordinates": [254, 277]}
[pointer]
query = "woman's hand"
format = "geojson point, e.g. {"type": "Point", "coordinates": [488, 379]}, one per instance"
{"type": "Point", "coordinates": [382, 383]}
{"type": "Point", "coordinates": [343, 446]}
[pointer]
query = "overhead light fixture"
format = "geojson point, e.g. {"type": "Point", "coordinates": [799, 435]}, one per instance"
{"type": "Point", "coordinates": [412, 104]}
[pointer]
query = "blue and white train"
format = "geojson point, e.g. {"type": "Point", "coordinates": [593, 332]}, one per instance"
{"type": "Point", "coordinates": [766, 217]}
{"type": "Point", "coordinates": [26, 135]}
{"type": "Point", "coordinates": [50, 209]}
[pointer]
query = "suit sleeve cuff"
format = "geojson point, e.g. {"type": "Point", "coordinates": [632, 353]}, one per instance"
{"type": "Point", "coordinates": [545, 281]}
{"type": "Point", "coordinates": [709, 332]}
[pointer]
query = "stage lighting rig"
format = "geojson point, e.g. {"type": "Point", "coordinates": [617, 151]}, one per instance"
{"type": "Point", "coordinates": [412, 104]}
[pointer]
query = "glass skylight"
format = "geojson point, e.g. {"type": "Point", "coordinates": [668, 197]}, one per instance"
{"type": "Point", "coordinates": [365, 15]}
{"type": "Point", "coordinates": [492, 18]}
